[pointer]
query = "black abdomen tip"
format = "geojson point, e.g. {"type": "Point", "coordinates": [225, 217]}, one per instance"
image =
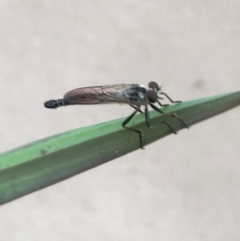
{"type": "Point", "coordinates": [51, 104]}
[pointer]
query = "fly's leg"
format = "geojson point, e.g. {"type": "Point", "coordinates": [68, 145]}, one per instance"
{"type": "Point", "coordinates": [170, 99]}
{"type": "Point", "coordinates": [163, 122]}
{"type": "Point", "coordinates": [132, 129]}
{"type": "Point", "coordinates": [147, 117]}
{"type": "Point", "coordinates": [169, 114]}
{"type": "Point", "coordinates": [136, 108]}
{"type": "Point", "coordinates": [162, 104]}
{"type": "Point", "coordinates": [170, 128]}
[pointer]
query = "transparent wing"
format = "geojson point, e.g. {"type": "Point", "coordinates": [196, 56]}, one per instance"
{"type": "Point", "coordinates": [100, 94]}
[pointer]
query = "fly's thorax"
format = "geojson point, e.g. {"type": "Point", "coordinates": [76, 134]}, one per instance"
{"type": "Point", "coordinates": [137, 95]}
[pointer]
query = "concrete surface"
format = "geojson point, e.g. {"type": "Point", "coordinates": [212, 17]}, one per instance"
{"type": "Point", "coordinates": [184, 187]}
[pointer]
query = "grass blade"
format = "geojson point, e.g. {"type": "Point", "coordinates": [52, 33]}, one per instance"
{"type": "Point", "coordinates": [53, 159]}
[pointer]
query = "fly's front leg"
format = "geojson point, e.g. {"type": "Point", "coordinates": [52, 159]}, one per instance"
{"type": "Point", "coordinates": [161, 103]}
{"type": "Point", "coordinates": [168, 114]}
{"type": "Point", "coordinates": [170, 128]}
{"type": "Point", "coordinates": [170, 99]}
{"type": "Point", "coordinates": [132, 129]}
{"type": "Point", "coordinates": [163, 122]}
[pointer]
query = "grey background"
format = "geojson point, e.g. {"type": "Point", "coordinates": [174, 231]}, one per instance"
{"type": "Point", "coordinates": [184, 187]}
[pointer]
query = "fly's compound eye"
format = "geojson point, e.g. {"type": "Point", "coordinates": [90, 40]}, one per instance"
{"type": "Point", "coordinates": [153, 85]}
{"type": "Point", "coordinates": [152, 96]}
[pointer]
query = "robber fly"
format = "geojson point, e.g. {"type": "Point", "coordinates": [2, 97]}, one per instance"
{"type": "Point", "coordinates": [134, 95]}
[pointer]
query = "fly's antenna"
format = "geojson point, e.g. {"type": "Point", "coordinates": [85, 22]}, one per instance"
{"type": "Point", "coordinates": [53, 104]}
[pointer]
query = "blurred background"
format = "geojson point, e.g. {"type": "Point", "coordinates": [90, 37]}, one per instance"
{"type": "Point", "coordinates": [184, 187]}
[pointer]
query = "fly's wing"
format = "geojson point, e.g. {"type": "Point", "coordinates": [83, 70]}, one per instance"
{"type": "Point", "coordinates": [100, 94]}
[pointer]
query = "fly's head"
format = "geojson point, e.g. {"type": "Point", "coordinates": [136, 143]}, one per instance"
{"type": "Point", "coordinates": [153, 93]}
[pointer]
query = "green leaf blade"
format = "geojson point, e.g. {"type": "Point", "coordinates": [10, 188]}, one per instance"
{"type": "Point", "coordinates": [50, 160]}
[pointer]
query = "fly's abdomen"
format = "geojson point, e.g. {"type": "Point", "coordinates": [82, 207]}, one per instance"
{"type": "Point", "coordinates": [53, 104]}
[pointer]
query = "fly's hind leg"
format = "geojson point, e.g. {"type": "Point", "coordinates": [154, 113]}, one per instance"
{"type": "Point", "coordinates": [136, 108]}
{"type": "Point", "coordinates": [132, 129]}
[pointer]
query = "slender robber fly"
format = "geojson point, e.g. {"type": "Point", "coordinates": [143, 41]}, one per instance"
{"type": "Point", "coordinates": [134, 95]}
